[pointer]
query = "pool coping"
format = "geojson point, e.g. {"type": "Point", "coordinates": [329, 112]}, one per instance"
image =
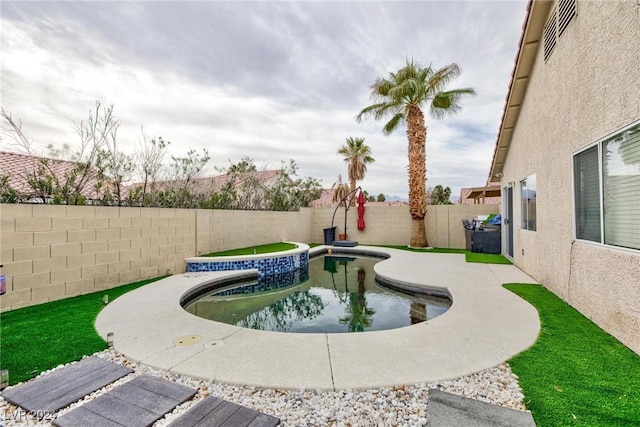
{"type": "Point", "coordinates": [485, 326]}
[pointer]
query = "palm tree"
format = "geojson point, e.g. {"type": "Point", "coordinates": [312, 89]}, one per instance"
{"type": "Point", "coordinates": [402, 95]}
{"type": "Point", "coordinates": [440, 195]}
{"type": "Point", "coordinates": [357, 155]}
{"type": "Point", "coordinates": [341, 190]}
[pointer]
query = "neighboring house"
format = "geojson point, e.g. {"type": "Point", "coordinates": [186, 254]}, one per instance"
{"type": "Point", "coordinates": [216, 183]}
{"type": "Point", "coordinates": [326, 200]}
{"type": "Point", "coordinates": [568, 158]}
{"type": "Point", "coordinates": [488, 195]}
{"type": "Point", "coordinates": [20, 167]}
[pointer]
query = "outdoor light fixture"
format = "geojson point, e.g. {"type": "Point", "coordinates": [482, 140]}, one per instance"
{"type": "Point", "coordinates": [110, 339]}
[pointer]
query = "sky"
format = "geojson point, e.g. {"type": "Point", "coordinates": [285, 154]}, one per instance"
{"type": "Point", "coordinates": [269, 80]}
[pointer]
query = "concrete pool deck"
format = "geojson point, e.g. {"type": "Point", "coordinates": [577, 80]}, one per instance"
{"type": "Point", "coordinates": [485, 326]}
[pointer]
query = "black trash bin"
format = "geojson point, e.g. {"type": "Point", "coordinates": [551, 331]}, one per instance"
{"type": "Point", "coordinates": [329, 235]}
{"type": "Point", "coordinates": [468, 227]}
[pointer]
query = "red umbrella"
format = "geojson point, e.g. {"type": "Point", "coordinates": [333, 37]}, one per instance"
{"type": "Point", "coordinates": [361, 202]}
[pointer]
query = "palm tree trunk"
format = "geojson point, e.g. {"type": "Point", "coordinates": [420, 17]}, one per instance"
{"type": "Point", "coordinates": [417, 136]}
{"type": "Point", "coordinates": [353, 188]}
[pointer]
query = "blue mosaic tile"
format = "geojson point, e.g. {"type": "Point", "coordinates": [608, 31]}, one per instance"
{"type": "Point", "coordinates": [265, 267]}
{"type": "Point", "coordinates": [271, 282]}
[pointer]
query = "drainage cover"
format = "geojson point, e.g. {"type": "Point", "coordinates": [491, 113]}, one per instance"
{"type": "Point", "coordinates": [188, 340]}
{"type": "Point", "coordinates": [214, 343]}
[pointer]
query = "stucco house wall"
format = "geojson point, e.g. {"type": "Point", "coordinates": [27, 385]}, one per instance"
{"type": "Point", "coordinates": [588, 88]}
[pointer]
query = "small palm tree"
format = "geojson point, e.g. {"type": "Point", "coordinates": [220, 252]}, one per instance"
{"type": "Point", "coordinates": [357, 155]}
{"type": "Point", "coordinates": [401, 96]}
{"type": "Point", "coordinates": [341, 190]}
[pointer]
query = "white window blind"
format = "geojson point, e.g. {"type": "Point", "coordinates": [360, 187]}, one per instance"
{"type": "Point", "coordinates": [587, 194]}
{"type": "Point", "coordinates": [607, 190]}
{"type": "Point", "coordinates": [621, 181]}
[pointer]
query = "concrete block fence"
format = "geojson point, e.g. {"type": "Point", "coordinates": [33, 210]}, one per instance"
{"type": "Point", "coordinates": [53, 252]}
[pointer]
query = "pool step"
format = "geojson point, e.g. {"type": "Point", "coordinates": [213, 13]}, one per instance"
{"type": "Point", "coordinates": [137, 403]}
{"type": "Point", "coordinates": [216, 412]}
{"type": "Point", "coordinates": [47, 394]}
{"type": "Point", "coordinates": [446, 409]}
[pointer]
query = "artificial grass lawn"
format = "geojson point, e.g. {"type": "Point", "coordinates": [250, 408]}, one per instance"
{"type": "Point", "coordinates": [41, 337]}
{"type": "Point", "coordinates": [575, 374]}
{"type": "Point", "coordinates": [261, 249]}
{"type": "Point", "coordinates": [469, 256]}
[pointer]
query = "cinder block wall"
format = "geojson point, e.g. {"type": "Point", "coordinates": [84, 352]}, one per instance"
{"type": "Point", "coordinates": [53, 252]}
{"type": "Point", "coordinates": [385, 225]}
{"type": "Point", "coordinates": [219, 230]}
{"type": "Point", "coordinates": [391, 225]}
{"type": "Point", "coordinates": [444, 223]}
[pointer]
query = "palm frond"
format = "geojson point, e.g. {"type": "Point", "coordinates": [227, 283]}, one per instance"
{"type": "Point", "coordinates": [380, 88]}
{"type": "Point", "coordinates": [448, 103]}
{"type": "Point", "coordinates": [369, 111]}
{"type": "Point", "coordinates": [392, 124]}
{"type": "Point", "coordinates": [442, 77]}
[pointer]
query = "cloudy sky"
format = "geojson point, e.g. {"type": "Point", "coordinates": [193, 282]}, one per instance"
{"type": "Point", "coordinates": [271, 80]}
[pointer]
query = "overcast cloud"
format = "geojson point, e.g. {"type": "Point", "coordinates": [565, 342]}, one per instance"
{"type": "Point", "coordinates": [269, 80]}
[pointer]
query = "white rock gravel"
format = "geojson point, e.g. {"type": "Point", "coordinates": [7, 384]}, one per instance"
{"type": "Point", "coordinates": [391, 406]}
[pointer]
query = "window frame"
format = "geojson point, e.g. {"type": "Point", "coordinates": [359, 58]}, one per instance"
{"type": "Point", "coordinates": [599, 143]}
{"type": "Point", "coordinates": [524, 220]}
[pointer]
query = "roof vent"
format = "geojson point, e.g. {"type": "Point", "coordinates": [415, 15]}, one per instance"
{"type": "Point", "coordinates": [558, 22]}
{"type": "Point", "coordinates": [550, 35]}
{"type": "Point", "coordinates": [566, 11]}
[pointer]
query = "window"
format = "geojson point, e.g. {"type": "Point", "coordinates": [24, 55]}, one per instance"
{"type": "Point", "coordinates": [587, 194]}
{"type": "Point", "coordinates": [528, 203]}
{"type": "Point", "coordinates": [606, 179]}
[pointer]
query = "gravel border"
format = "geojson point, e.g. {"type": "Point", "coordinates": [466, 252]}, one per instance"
{"type": "Point", "coordinates": [390, 406]}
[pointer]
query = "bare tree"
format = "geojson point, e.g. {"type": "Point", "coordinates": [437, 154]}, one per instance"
{"type": "Point", "coordinates": [149, 161]}
{"type": "Point", "coordinates": [34, 174]}
{"type": "Point", "coordinates": [183, 172]}
{"type": "Point", "coordinates": [64, 177]}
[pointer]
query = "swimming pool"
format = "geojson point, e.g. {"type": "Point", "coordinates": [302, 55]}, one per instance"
{"type": "Point", "coordinates": [336, 293]}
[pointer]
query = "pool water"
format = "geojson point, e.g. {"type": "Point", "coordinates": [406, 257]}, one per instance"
{"type": "Point", "coordinates": [336, 294]}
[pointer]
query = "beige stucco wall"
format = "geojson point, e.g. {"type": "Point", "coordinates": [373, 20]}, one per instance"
{"type": "Point", "coordinates": [391, 225]}
{"type": "Point", "coordinates": [588, 88]}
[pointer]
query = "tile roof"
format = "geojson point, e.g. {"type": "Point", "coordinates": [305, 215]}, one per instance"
{"type": "Point", "coordinates": [17, 166]}
{"type": "Point", "coordinates": [326, 200]}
